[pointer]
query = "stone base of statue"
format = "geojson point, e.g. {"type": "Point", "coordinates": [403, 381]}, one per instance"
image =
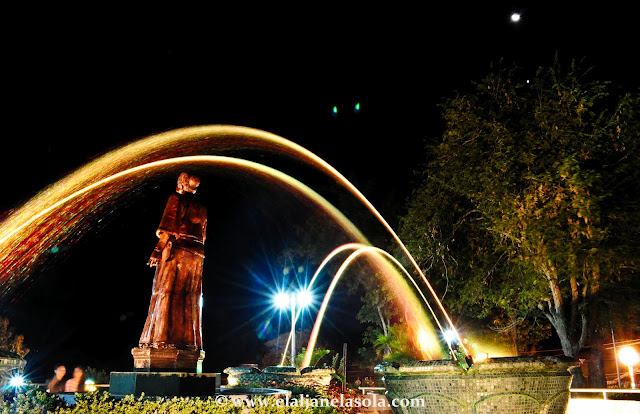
{"type": "Point", "coordinates": [147, 359]}
{"type": "Point", "coordinates": [164, 384]}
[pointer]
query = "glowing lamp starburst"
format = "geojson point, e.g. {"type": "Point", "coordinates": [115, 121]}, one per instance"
{"type": "Point", "coordinates": [304, 298]}
{"type": "Point", "coordinates": [16, 381]}
{"type": "Point", "coordinates": [628, 356]}
{"type": "Point", "coordinates": [449, 336]}
{"type": "Point", "coordinates": [281, 300]}
{"type": "Point", "coordinates": [481, 356]}
{"type": "Point", "coordinates": [90, 385]}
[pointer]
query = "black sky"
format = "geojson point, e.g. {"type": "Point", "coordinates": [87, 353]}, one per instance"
{"type": "Point", "coordinates": [80, 82]}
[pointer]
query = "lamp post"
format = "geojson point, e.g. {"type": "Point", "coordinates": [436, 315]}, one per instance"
{"type": "Point", "coordinates": [293, 329]}
{"type": "Point", "coordinates": [629, 357]}
{"type": "Point", "coordinates": [296, 301]}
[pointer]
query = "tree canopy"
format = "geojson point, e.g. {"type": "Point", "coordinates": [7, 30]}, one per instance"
{"type": "Point", "coordinates": [529, 203]}
{"type": "Point", "coordinates": [11, 341]}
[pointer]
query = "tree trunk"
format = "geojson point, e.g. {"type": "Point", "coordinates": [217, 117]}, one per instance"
{"type": "Point", "coordinates": [385, 330]}
{"type": "Point", "coordinates": [571, 338]}
{"type": "Point", "coordinates": [578, 381]}
{"type": "Point", "coordinates": [382, 321]}
{"type": "Point", "coordinates": [597, 378]}
{"type": "Point", "coordinates": [556, 315]}
{"type": "Point", "coordinates": [515, 339]}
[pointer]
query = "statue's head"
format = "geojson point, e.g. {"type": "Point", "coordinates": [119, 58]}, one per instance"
{"type": "Point", "coordinates": [187, 183]}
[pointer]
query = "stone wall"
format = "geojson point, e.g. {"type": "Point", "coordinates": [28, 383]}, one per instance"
{"type": "Point", "coordinates": [502, 385]}
{"type": "Point", "coordinates": [318, 379]}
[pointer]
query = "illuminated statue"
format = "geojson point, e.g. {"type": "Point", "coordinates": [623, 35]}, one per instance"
{"type": "Point", "coordinates": [174, 319]}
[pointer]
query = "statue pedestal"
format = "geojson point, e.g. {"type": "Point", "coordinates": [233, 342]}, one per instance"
{"type": "Point", "coordinates": [166, 384]}
{"type": "Point", "coordinates": [165, 372]}
{"type": "Point", "coordinates": [147, 359]}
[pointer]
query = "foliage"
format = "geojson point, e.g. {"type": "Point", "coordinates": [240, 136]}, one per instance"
{"type": "Point", "coordinates": [33, 401]}
{"type": "Point", "coordinates": [338, 368]}
{"type": "Point", "coordinates": [10, 341]}
{"type": "Point", "coordinates": [377, 311]}
{"type": "Point", "coordinates": [529, 331]}
{"type": "Point", "coordinates": [368, 351]}
{"type": "Point", "coordinates": [529, 202]}
{"type": "Point", "coordinates": [103, 403]}
{"type": "Point", "coordinates": [318, 354]}
{"type": "Point", "coordinates": [397, 343]}
{"type": "Point", "coordinates": [99, 376]}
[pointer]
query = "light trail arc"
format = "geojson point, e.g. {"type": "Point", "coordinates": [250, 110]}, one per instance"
{"type": "Point", "coordinates": [325, 302]}
{"type": "Point", "coordinates": [149, 149]}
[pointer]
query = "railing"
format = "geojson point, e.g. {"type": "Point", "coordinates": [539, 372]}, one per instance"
{"type": "Point", "coordinates": [43, 385]}
{"type": "Point", "coordinates": [365, 389]}
{"type": "Point", "coordinates": [605, 391]}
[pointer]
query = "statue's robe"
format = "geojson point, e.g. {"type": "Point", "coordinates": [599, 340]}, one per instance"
{"type": "Point", "coordinates": [174, 318]}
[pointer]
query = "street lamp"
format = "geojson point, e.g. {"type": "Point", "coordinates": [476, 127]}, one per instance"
{"type": "Point", "coordinates": [16, 381]}
{"type": "Point", "coordinates": [90, 385]}
{"type": "Point", "coordinates": [629, 357]}
{"type": "Point", "coordinates": [283, 300]}
{"type": "Point", "coordinates": [449, 336]}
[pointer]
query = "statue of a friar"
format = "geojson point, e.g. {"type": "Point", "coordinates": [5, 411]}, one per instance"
{"type": "Point", "coordinates": [173, 326]}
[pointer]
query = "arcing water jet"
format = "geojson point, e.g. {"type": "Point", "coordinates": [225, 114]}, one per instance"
{"type": "Point", "coordinates": [424, 333]}
{"type": "Point", "coordinates": [21, 245]}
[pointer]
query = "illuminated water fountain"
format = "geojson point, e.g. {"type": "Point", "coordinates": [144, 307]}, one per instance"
{"type": "Point", "coordinates": [521, 385]}
{"type": "Point", "coordinates": [63, 209]}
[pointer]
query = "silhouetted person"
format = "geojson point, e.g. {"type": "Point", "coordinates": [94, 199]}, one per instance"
{"type": "Point", "coordinates": [56, 384]}
{"type": "Point", "coordinates": [75, 383]}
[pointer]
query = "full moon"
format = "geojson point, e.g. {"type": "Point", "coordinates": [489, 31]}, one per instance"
{"type": "Point", "coordinates": [515, 17]}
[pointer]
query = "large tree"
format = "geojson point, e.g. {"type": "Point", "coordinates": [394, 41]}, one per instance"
{"type": "Point", "coordinates": [529, 203]}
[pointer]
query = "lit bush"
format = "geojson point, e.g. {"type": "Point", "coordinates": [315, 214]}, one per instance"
{"type": "Point", "coordinates": [33, 401]}
{"type": "Point", "coordinates": [39, 402]}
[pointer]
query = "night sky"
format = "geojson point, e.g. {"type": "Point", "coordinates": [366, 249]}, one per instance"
{"type": "Point", "coordinates": [79, 82]}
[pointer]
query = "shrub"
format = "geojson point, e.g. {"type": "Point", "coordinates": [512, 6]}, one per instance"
{"type": "Point", "coordinates": [103, 403]}
{"type": "Point", "coordinates": [33, 401]}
